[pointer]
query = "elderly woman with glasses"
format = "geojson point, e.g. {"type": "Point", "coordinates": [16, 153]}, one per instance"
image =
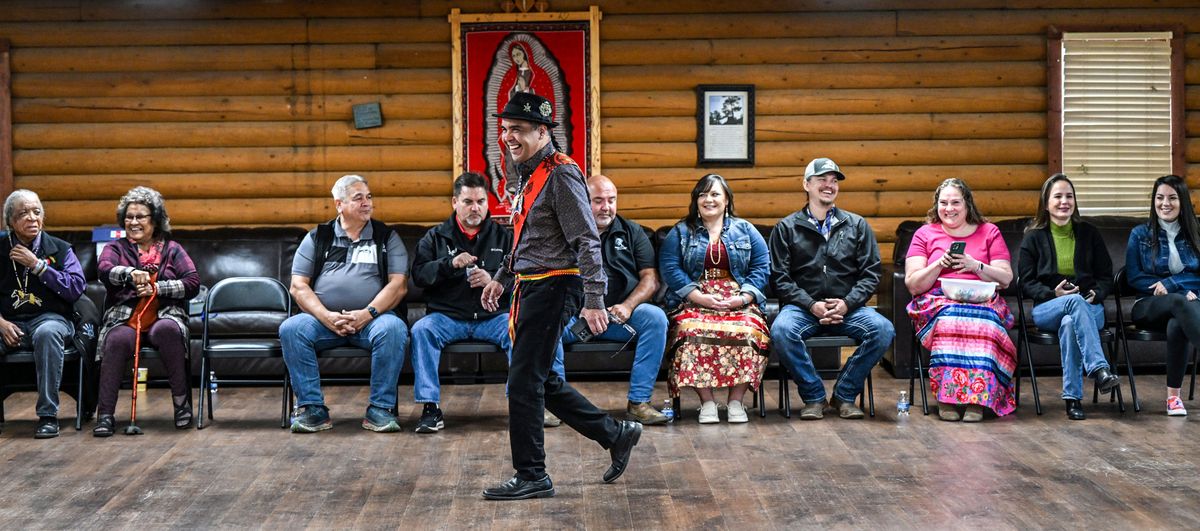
{"type": "Point", "coordinates": [150, 280]}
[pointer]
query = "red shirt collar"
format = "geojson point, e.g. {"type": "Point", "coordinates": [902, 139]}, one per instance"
{"type": "Point", "coordinates": [470, 237]}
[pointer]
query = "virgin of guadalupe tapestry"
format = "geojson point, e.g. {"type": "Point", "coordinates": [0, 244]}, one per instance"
{"type": "Point", "coordinates": [498, 59]}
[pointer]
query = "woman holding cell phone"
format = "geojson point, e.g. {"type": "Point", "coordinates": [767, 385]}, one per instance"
{"type": "Point", "coordinates": [972, 359]}
{"type": "Point", "coordinates": [1161, 263]}
{"type": "Point", "coordinates": [1066, 271]}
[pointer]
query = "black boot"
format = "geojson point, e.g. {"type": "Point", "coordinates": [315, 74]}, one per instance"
{"type": "Point", "coordinates": [1074, 410]}
{"type": "Point", "coordinates": [1105, 379]}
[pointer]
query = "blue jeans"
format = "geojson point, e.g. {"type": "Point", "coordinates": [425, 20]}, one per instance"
{"type": "Point", "coordinates": [1077, 324]}
{"type": "Point", "coordinates": [650, 322]}
{"type": "Point", "coordinates": [794, 325]}
{"type": "Point", "coordinates": [435, 331]}
{"type": "Point", "coordinates": [48, 334]}
{"type": "Point", "coordinates": [302, 336]}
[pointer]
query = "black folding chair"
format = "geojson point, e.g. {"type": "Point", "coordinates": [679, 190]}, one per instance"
{"type": "Point", "coordinates": [241, 321]}
{"type": "Point", "coordinates": [1027, 333]}
{"type": "Point", "coordinates": [815, 342]}
{"type": "Point", "coordinates": [25, 356]}
{"type": "Point", "coordinates": [1129, 331]}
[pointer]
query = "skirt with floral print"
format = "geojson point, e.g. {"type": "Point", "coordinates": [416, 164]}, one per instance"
{"type": "Point", "coordinates": [715, 348]}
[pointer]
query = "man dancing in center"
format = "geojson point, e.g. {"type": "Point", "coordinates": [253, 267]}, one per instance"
{"type": "Point", "coordinates": [557, 267]}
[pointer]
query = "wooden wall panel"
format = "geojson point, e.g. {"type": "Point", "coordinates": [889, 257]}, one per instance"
{"type": "Point", "coordinates": [240, 111]}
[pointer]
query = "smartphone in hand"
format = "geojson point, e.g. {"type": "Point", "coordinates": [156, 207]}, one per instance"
{"type": "Point", "coordinates": [958, 248]}
{"type": "Point", "coordinates": [1069, 286]}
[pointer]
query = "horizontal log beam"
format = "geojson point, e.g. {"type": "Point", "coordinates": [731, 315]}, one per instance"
{"type": "Point", "coordinates": [303, 210]}
{"type": "Point", "coordinates": [827, 76]}
{"type": "Point", "coordinates": [912, 205]}
{"type": "Point", "coordinates": [434, 183]}
{"type": "Point", "coordinates": [1035, 21]}
{"type": "Point", "coordinates": [840, 127]}
{"type": "Point", "coordinates": [822, 49]}
{"type": "Point", "coordinates": [846, 101]}
{"type": "Point", "coordinates": [219, 109]}
{"type": "Point", "coordinates": [873, 152]}
{"type": "Point", "coordinates": [228, 134]}
{"type": "Point", "coordinates": [790, 179]}
{"type": "Point", "coordinates": [240, 83]}
{"type": "Point", "coordinates": [194, 160]}
{"type": "Point", "coordinates": [143, 32]}
{"type": "Point", "coordinates": [194, 58]}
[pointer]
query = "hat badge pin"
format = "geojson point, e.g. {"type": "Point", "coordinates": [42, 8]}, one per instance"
{"type": "Point", "coordinates": [545, 108]}
{"type": "Point", "coordinates": [527, 108]}
{"type": "Point", "coordinates": [828, 166]}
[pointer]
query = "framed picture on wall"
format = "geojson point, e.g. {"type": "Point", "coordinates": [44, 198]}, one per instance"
{"type": "Point", "coordinates": [725, 125]}
{"type": "Point", "coordinates": [554, 55]}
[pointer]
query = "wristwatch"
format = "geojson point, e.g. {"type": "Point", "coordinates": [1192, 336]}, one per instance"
{"type": "Point", "coordinates": [371, 310]}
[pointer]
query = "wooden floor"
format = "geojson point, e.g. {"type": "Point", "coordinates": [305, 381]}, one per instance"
{"type": "Point", "coordinates": [1024, 471]}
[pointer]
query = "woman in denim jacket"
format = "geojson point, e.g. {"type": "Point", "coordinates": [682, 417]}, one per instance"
{"type": "Point", "coordinates": [715, 266]}
{"type": "Point", "coordinates": [1162, 265]}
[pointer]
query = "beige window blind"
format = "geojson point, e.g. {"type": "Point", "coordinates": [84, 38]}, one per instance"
{"type": "Point", "coordinates": [1116, 117]}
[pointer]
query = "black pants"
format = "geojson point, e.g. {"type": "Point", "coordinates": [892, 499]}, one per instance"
{"type": "Point", "coordinates": [543, 309]}
{"type": "Point", "coordinates": [1181, 318]}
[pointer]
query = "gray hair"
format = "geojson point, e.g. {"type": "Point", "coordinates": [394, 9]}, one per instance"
{"type": "Point", "coordinates": [14, 199]}
{"type": "Point", "coordinates": [153, 200]}
{"type": "Point", "coordinates": [341, 189]}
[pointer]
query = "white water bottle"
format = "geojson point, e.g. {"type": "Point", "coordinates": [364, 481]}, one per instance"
{"type": "Point", "coordinates": [212, 390]}
{"type": "Point", "coordinates": [902, 404]}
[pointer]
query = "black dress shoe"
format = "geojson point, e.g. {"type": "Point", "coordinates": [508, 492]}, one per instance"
{"type": "Point", "coordinates": [1105, 379]}
{"type": "Point", "coordinates": [47, 428]}
{"type": "Point", "coordinates": [1075, 410]}
{"type": "Point", "coordinates": [621, 449]}
{"type": "Point", "coordinates": [520, 489]}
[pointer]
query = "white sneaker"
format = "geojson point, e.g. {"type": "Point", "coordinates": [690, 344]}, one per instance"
{"type": "Point", "coordinates": [737, 412]}
{"type": "Point", "coordinates": [708, 413]}
{"type": "Point", "coordinates": [1175, 407]}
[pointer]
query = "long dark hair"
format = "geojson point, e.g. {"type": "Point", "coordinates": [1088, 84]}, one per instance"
{"type": "Point", "coordinates": [1187, 215]}
{"type": "Point", "coordinates": [705, 184]}
{"type": "Point", "coordinates": [1042, 218]}
{"type": "Point", "coordinates": [973, 215]}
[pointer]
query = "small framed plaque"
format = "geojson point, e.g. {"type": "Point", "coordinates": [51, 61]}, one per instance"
{"type": "Point", "coordinates": [725, 125]}
{"type": "Point", "coordinates": [368, 115]}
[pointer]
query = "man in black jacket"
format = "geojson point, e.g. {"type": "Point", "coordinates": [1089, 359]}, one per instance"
{"type": "Point", "coordinates": [824, 267]}
{"type": "Point", "coordinates": [454, 261]}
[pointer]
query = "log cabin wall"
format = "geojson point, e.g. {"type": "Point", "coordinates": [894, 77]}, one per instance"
{"type": "Point", "coordinates": [240, 112]}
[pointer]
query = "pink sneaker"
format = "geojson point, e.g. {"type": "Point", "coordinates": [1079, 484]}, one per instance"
{"type": "Point", "coordinates": [1175, 407]}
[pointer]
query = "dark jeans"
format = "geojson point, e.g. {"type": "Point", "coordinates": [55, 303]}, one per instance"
{"type": "Point", "coordinates": [1182, 318]}
{"type": "Point", "coordinates": [164, 335]}
{"type": "Point", "coordinates": [544, 307]}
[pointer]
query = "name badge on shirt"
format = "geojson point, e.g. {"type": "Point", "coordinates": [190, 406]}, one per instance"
{"type": "Point", "coordinates": [364, 254]}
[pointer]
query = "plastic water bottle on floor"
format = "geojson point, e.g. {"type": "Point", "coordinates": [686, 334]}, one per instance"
{"type": "Point", "coordinates": [902, 404]}
{"type": "Point", "coordinates": [212, 388]}
{"type": "Point", "coordinates": [667, 411]}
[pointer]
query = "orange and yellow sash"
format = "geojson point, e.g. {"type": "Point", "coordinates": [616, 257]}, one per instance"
{"type": "Point", "coordinates": [515, 303]}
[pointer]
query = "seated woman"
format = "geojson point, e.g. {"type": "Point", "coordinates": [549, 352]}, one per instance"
{"type": "Point", "coordinates": [150, 280]}
{"type": "Point", "coordinates": [715, 266]}
{"type": "Point", "coordinates": [971, 359]}
{"type": "Point", "coordinates": [1066, 271]}
{"type": "Point", "coordinates": [1161, 263]}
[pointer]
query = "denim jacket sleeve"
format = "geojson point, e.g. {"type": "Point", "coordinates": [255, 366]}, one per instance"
{"type": "Point", "coordinates": [1137, 273]}
{"type": "Point", "coordinates": [760, 265]}
{"type": "Point", "coordinates": [670, 265]}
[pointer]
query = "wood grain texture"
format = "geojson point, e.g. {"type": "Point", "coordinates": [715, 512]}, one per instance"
{"type": "Point", "coordinates": [682, 476]}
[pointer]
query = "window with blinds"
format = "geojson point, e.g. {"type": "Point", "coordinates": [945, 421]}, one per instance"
{"type": "Point", "coordinates": [1116, 117]}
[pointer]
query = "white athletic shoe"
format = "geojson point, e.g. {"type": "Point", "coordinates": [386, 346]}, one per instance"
{"type": "Point", "coordinates": [708, 413]}
{"type": "Point", "coordinates": [737, 412]}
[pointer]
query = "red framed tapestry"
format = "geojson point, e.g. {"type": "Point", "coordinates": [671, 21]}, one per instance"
{"type": "Point", "coordinates": [554, 55]}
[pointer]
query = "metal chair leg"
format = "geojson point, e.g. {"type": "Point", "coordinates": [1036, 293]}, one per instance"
{"type": "Point", "coordinates": [1137, 405]}
{"type": "Point", "coordinates": [79, 396]}
{"type": "Point", "coordinates": [871, 394]}
{"type": "Point", "coordinates": [203, 392]}
{"type": "Point", "coordinates": [916, 362]}
{"type": "Point", "coordinates": [760, 401]}
{"type": "Point", "coordinates": [1192, 387]}
{"type": "Point", "coordinates": [678, 409]}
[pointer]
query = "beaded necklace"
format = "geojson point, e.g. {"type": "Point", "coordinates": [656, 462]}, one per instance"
{"type": "Point", "coordinates": [21, 295]}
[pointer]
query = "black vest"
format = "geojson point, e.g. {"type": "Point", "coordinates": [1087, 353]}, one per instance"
{"type": "Point", "coordinates": [54, 251]}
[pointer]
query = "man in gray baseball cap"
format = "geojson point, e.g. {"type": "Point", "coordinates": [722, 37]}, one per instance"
{"type": "Point", "coordinates": [824, 267]}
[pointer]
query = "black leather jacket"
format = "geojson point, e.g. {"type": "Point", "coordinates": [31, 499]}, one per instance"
{"type": "Point", "coordinates": [806, 268]}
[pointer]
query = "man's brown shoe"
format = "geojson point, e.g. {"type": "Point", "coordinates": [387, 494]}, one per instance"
{"type": "Point", "coordinates": [813, 410]}
{"type": "Point", "coordinates": [846, 410]}
{"type": "Point", "coordinates": [644, 413]}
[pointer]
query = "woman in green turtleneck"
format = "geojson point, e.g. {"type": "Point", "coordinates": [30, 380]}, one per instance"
{"type": "Point", "coordinates": [1065, 269]}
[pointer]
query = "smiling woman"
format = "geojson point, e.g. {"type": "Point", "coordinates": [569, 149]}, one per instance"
{"type": "Point", "coordinates": [972, 359]}
{"type": "Point", "coordinates": [149, 280]}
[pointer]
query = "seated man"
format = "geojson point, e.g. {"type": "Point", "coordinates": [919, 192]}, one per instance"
{"type": "Point", "coordinates": [824, 267]}
{"type": "Point", "coordinates": [39, 284]}
{"type": "Point", "coordinates": [454, 261]}
{"type": "Point", "coordinates": [347, 276]}
{"type": "Point", "coordinates": [632, 281]}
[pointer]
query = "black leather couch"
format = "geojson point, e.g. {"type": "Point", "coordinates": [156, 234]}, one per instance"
{"type": "Point", "coordinates": [894, 297]}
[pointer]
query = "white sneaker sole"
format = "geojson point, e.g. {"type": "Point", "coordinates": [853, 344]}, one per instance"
{"type": "Point", "coordinates": [1176, 412]}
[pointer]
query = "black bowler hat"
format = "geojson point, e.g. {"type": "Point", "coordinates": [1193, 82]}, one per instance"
{"type": "Point", "coordinates": [529, 107]}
